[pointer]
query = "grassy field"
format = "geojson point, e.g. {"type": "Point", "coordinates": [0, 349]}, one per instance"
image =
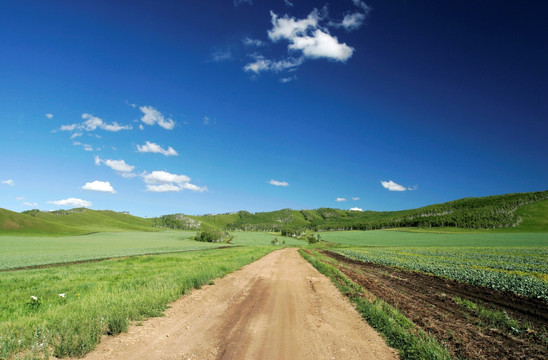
{"type": "Point", "coordinates": [419, 239]}
{"type": "Point", "coordinates": [22, 251]}
{"type": "Point", "coordinates": [251, 238]}
{"type": "Point", "coordinates": [66, 309]}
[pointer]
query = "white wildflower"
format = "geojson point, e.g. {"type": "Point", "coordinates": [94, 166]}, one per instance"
{"type": "Point", "coordinates": [34, 298]}
{"type": "Point", "coordinates": [62, 295]}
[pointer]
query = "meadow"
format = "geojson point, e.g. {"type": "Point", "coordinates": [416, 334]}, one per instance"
{"type": "Point", "coordinates": [25, 251]}
{"type": "Point", "coordinates": [66, 309]}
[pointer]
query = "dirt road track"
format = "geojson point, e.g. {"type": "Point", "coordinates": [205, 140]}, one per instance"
{"type": "Point", "coordinates": [278, 307]}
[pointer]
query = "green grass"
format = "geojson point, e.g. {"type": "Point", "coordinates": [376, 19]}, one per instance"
{"type": "Point", "coordinates": [101, 297]}
{"type": "Point", "coordinates": [251, 238]}
{"type": "Point", "coordinates": [401, 238]}
{"type": "Point", "coordinates": [21, 251]}
{"type": "Point", "coordinates": [399, 332]}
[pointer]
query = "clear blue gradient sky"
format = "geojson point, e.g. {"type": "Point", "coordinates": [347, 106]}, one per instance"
{"type": "Point", "coordinates": [217, 106]}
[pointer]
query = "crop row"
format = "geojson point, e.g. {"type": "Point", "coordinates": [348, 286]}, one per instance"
{"type": "Point", "coordinates": [519, 270]}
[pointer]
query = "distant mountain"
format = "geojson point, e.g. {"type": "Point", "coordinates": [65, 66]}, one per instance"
{"type": "Point", "coordinates": [525, 212]}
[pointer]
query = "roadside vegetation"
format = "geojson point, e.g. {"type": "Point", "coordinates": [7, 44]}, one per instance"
{"type": "Point", "coordinates": [64, 310]}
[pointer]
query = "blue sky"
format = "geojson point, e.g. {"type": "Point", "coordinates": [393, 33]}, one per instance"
{"type": "Point", "coordinates": [209, 107]}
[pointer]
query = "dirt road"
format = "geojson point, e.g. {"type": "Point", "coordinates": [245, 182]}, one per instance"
{"type": "Point", "coordinates": [278, 307]}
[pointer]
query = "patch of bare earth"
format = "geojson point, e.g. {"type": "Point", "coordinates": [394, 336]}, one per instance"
{"type": "Point", "coordinates": [278, 307]}
{"type": "Point", "coordinates": [428, 302]}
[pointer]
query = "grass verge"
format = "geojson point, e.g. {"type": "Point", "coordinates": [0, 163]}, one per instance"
{"type": "Point", "coordinates": [64, 311]}
{"type": "Point", "coordinates": [399, 332]}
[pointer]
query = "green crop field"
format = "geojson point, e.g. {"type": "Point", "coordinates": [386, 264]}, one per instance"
{"type": "Point", "coordinates": [67, 308]}
{"type": "Point", "coordinates": [523, 271]}
{"type": "Point", "coordinates": [19, 251]}
{"type": "Point", "coordinates": [412, 239]}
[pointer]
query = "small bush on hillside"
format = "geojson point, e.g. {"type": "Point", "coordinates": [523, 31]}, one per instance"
{"type": "Point", "coordinates": [311, 238]}
{"type": "Point", "coordinates": [277, 241]}
{"type": "Point", "coordinates": [207, 234]}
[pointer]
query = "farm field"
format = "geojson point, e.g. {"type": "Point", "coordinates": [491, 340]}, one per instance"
{"type": "Point", "coordinates": [25, 251]}
{"type": "Point", "coordinates": [428, 239]}
{"type": "Point", "coordinates": [488, 297]}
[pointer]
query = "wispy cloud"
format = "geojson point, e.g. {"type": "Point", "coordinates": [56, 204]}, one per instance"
{"type": "Point", "coordinates": [9, 182]}
{"type": "Point", "coordinates": [339, 199]}
{"type": "Point", "coordinates": [152, 116]}
{"type": "Point", "coordinates": [29, 204]}
{"type": "Point", "coordinates": [247, 41]}
{"type": "Point", "coordinates": [49, 116]}
{"type": "Point", "coordinates": [356, 209]}
{"type": "Point", "coordinates": [240, 2]}
{"type": "Point", "coordinates": [350, 22]}
{"type": "Point", "coordinates": [355, 198]}
{"type": "Point", "coordinates": [392, 186]}
{"type": "Point", "coordinates": [151, 147]}
{"type": "Point", "coordinates": [120, 166]}
{"type": "Point", "coordinates": [278, 183]}
{"type": "Point", "coordinates": [163, 181]}
{"type": "Point", "coordinates": [221, 55]}
{"type": "Point", "coordinates": [71, 202]}
{"type": "Point", "coordinates": [101, 186]}
{"type": "Point", "coordinates": [92, 123]}
{"type": "Point", "coordinates": [288, 3]}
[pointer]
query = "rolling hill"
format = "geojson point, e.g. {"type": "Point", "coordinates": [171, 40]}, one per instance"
{"type": "Point", "coordinates": [520, 212]}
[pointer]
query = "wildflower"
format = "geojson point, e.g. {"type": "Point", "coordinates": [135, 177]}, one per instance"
{"type": "Point", "coordinates": [62, 295]}
{"type": "Point", "coordinates": [34, 298]}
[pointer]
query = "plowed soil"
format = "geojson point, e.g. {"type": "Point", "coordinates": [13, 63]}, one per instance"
{"type": "Point", "coordinates": [278, 307]}
{"type": "Point", "coordinates": [428, 301]}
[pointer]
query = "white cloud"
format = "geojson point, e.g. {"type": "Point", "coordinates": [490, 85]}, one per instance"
{"type": "Point", "coordinates": [8, 182]}
{"type": "Point", "coordinates": [155, 148]}
{"type": "Point", "coordinates": [20, 198]}
{"type": "Point", "coordinates": [93, 122]}
{"type": "Point", "coordinates": [152, 116]}
{"type": "Point", "coordinates": [120, 166]}
{"type": "Point", "coordinates": [207, 121]}
{"type": "Point", "coordinates": [26, 203]}
{"type": "Point", "coordinates": [356, 209]}
{"type": "Point", "coordinates": [289, 28]}
{"type": "Point", "coordinates": [101, 186]}
{"type": "Point", "coordinates": [262, 64]}
{"type": "Point", "coordinates": [247, 41]}
{"type": "Point", "coordinates": [322, 45]}
{"type": "Point", "coordinates": [163, 177]}
{"type": "Point", "coordinates": [355, 198]}
{"type": "Point", "coordinates": [307, 39]}
{"type": "Point", "coordinates": [278, 183]}
{"type": "Point", "coordinates": [288, 3]}
{"type": "Point", "coordinates": [71, 202]}
{"type": "Point", "coordinates": [162, 181]}
{"type": "Point", "coordinates": [141, 127]}
{"type": "Point", "coordinates": [352, 21]}
{"type": "Point", "coordinates": [392, 186]}
{"type": "Point", "coordinates": [163, 188]}
{"type": "Point", "coordinates": [49, 116]}
{"type": "Point", "coordinates": [68, 127]}
{"type": "Point", "coordinates": [75, 135]}
{"type": "Point", "coordinates": [340, 199]}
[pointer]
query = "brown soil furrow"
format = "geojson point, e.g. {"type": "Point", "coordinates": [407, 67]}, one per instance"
{"type": "Point", "coordinates": [278, 307]}
{"type": "Point", "coordinates": [428, 302]}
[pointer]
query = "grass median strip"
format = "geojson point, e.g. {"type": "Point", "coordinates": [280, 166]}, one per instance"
{"type": "Point", "coordinates": [399, 332]}
{"type": "Point", "coordinates": [63, 311]}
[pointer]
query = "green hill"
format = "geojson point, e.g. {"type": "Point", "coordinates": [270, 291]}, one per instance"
{"type": "Point", "coordinates": [24, 224]}
{"type": "Point", "coordinates": [520, 212]}
{"type": "Point", "coordinates": [93, 220]}
{"type": "Point", "coordinates": [524, 212]}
